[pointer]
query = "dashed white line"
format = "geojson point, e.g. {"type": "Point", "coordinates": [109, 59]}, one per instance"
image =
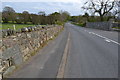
{"type": "Point", "coordinates": [106, 39]}
{"type": "Point", "coordinates": [115, 42]}
{"type": "Point", "coordinates": [90, 32]}
{"type": "Point", "coordinates": [100, 36]}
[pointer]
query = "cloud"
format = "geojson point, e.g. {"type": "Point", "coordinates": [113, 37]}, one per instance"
{"type": "Point", "coordinates": [73, 8]}
{"type": "Point", "coordinates": [8, 5]}
{"type": "Point", "coordinates": [78, 1]}
{"type": "Point", "coordinates": [36, 7]}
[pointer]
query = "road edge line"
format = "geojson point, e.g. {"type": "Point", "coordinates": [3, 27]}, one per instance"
{"type": "Point", "coordinates": [63, 62]}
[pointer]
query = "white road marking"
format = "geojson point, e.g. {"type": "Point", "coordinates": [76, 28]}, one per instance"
{"type": "Point", "coordinates": [90, 32]}
{"type": "Point", "coordinates": [41, 67]}
{"type": "Point", "coordinates": [115, 42]}
{"type": "Point", "coordinates": [100, 36]}
{"type": "Point", "coordinates": [93, 33]}
{"type": "Point", "coordinates": [105, 38]}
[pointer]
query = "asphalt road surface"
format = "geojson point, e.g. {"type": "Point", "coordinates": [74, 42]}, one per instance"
{"type": "Point", "coordinates": [90, 53]}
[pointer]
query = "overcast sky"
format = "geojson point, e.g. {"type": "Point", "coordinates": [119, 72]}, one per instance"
{"type": "Point", "coordinates": [49, 6]}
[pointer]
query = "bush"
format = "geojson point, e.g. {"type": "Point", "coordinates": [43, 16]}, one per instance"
{"type": "Point", "coordinates": [59, 23]}
{"type": "Point", "coordinates": [79, 24]}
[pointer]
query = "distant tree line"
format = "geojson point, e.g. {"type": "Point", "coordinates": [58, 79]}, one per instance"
{"type": "Point", "coordinates": [10, 16]}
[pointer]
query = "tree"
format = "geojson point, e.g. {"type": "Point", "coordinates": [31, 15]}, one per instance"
{"type": "Point", "coordinates": [42, 17]}
{"type": "Point", "coordinates": [102, 7]}
{"type": "Point", "coordinates": [19, 18]}
{"type": "Point", "coordinates": [5, 17]}
{"type": "Point", "coordinates": [50, 19]}
{"type": "Point", "coordinates": [55, 16]}
{"type": "Point", "coordinates": [26, 17]}
{"type": "Point", "coordinates": [64, 15]}
{"type": "Point", "coordinates": [8, 10]}
{"type": "Point", "coordinates": [41, 13]}
{"type": "Point", "coordinates": [59, 17]}
{"type": "Point", "coordinates": [116, 10]}
{"type": "Point", "coordinates": [8, 14]}
{"type": "Point", "coordinates": [86, 15]}
{"type": "Point", "coordinates": [0, 17]}
{"type": "Point", "coordinates": [34, 19]}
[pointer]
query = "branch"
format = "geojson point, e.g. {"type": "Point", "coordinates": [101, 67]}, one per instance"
{"type": "Point", "coordinates": [106, 11]}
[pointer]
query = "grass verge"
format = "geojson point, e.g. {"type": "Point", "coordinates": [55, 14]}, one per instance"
{"type": "Point", "coordinates": [79, 24]}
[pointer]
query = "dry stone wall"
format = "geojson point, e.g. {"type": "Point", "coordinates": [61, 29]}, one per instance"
{"type": "Point", "coordinates": [20, 47]}
{"type": "Point", "coordinates": [107, 25]}
{"type": "Point", "coordinates": [99, 25]}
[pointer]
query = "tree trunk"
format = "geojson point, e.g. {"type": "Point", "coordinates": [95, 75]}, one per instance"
{"type": "Point", "coordinates": [101, 18]}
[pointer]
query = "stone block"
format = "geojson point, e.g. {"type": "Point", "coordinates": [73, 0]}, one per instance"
{"type": "Point", "coordinates": [13, 52]}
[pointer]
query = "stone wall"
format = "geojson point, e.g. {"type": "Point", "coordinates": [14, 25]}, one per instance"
{"type": "Point", "coordinates": [108, 25]}
{"type": "Point", "coordinates": [20, 47]}
{"type": "Point", "coordinates": [99, 25]}
{"type": "Point", "coordinates": [115, 24]}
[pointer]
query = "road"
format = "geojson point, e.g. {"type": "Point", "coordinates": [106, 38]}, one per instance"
{"type": "Point", "coordinates": [82, 52]}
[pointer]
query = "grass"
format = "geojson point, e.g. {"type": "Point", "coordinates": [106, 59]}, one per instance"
{"type": "Point", "coordinates": [18, 26]}
{"type": "Point", "coordinates": [116, 27]}
{"type": "Point", "coordinates": [79, 24]}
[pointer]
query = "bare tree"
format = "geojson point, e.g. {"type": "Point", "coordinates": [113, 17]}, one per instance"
{"type": "Point", "coordinates": [102, 7]}
{"type": "Point", "coordinates": [116, 10]}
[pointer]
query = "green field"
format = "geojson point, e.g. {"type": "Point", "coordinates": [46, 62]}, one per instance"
{"type": "Point", "coordinates": [17, 26]}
